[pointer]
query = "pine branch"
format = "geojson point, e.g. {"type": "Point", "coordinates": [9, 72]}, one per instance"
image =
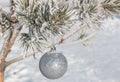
{"type": "Point", "coordinates": [49, 20]}
{"type": "Point", "coordinates": [60, 41]}
{"type": "Point", "coordinates": [20, 58]}
{"type": "Point", "coordinates": [43, 22]}
{"type": "Point", "coordinates": [109, 8]}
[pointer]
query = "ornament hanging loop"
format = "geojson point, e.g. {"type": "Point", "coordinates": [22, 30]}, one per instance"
{"type": "Point", "coordinates": [53, 48]}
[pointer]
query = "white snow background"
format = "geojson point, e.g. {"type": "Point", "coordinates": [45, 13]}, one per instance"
{"type": "Point", "coordinates": [101, 63]}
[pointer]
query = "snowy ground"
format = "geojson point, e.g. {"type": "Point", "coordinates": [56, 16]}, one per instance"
{"type": "Point", "coordinates": [101, 63]}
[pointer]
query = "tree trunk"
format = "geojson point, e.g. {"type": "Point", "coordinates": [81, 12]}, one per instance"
{"type": "Point", "coordinates": [1, 76]}
{"type": "Point", "coordinates": [2, 70]}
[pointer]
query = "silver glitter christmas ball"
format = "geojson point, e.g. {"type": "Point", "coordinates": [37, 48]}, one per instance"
{"type": "Point", "coordinates": [53, 65]}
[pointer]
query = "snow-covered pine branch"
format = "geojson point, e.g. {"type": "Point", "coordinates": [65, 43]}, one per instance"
{"type": "Point", "coordinates": [44, 19]}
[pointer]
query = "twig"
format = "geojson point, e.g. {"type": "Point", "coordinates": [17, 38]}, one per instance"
{"type": "Point", "coordinates": [13, 18]}
{"type": "Point", "coordinates": [10, 43]}
{"type": "Point", "coordinates": [2, 46]}
{"type": "Point", "coordinates": [71, 34]}
{"type": "Point", "coordinates": [18, 59]}
{"type": "Point", "coordinates": [12, 6]}
{"type": "Point", "coordinates": [79, 40]}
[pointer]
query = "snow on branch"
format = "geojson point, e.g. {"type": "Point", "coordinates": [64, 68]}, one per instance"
{"type": "Point", "coordinates": [45, 19]}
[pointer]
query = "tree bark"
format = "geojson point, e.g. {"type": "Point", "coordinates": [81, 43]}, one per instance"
{"type": "Point", "coordinates": [1, 76]}
{"type": "Point", "coordinates": [6, 51]}
{"type": "Point", "coordinates": [2, 70]}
